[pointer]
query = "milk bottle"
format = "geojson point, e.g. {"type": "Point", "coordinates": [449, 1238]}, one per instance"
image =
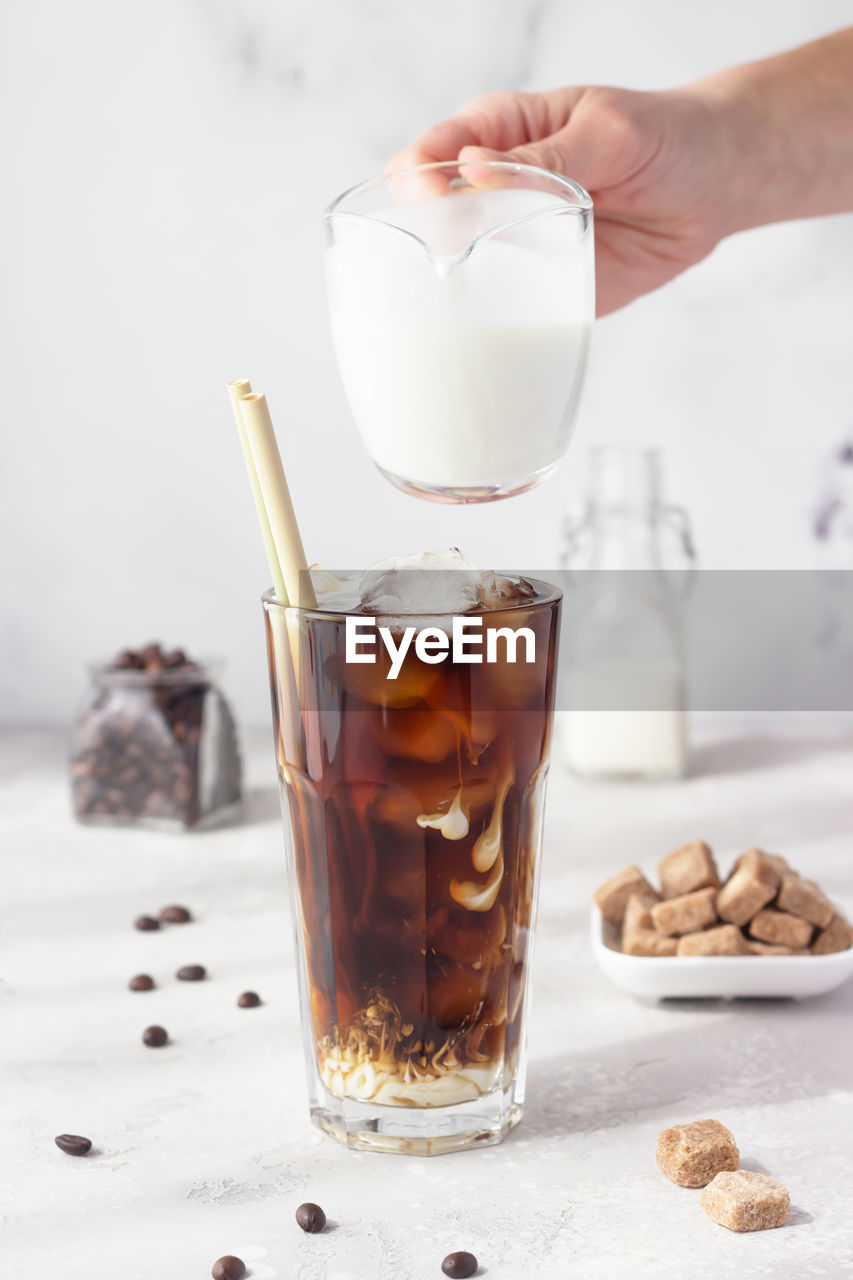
{"type": "Point", "coordinates": [623, 664]}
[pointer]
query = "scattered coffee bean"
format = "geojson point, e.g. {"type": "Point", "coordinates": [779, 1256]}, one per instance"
{"type": "Point", "coordinates": [311, 1217]}
{"type": "Point", "coordinates": [191, 973]}
{"type": "Point", "coordinates": [73, 1145]}
{"type": "Point", "coordinates": [155, 1037]}
{"type": "Point", "coordinates": [460, 1265]}
{"type": "Point", "coordinates": [249, 1000]}
{"type": "Point", "coordinates": [174, 915]}
{"type": "Point", "coordinates": [146, 923]}
{"type": "Point", "coordinates": [228, 1268]}
{"type": "Point", "coordinates": [141, 982]}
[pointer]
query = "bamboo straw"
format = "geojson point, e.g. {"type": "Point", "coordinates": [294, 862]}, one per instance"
{"type": "Point", "coordinates": [236, 389]}
{"type": "Point", "coordinates": [277, 501]}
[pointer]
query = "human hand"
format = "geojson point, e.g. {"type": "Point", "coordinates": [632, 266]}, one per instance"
{"type": "Point", "coordinates": [654, 164]}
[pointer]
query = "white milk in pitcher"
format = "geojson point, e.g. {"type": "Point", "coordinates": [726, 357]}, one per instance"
{"type": "Point", "coordinates": [462, 349]}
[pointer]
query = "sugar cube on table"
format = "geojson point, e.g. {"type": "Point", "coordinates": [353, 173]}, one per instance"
{"type": "Point", "coordinates": [749, 888]}
{"type": "Point", "coordinates": [685, 914]}
{"type": "Point", "coordinates": [692, 1154]}
{"type": "Point", "coordinates": [648, 942]}
{"type": "Point", "coordinates": [746, 1201]}
{"type": "Point", "coordinates": [804, 899]}
{"type": "Point", "coordinates": [612, 897]}
{"type": "Point", "coordinates": [837, 936]}
{"type": "Point", "coordinates": [690, 868]}
{"type": "Point", "coordinates": [725, 940]}
{"type": "Point", "coordinates": [769, 925]}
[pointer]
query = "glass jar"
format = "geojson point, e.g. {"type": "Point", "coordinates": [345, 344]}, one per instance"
{"type": "Point", "coordinates": [155, 748]}
{"type": "Point", "coordinates": [631, 559]}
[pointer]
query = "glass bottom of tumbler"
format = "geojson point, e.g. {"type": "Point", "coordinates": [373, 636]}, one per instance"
{"type": "Point", "coordinates": [471, 493]}
{"type": "Point", "coordinates": [418, 1131]}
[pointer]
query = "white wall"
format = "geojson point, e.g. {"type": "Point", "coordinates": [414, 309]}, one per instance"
{"type": "Point", "coordinates": [164, 166]}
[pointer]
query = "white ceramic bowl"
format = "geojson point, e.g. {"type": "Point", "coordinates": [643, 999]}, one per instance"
{"type": "Point", "coordinates": [726, 977]}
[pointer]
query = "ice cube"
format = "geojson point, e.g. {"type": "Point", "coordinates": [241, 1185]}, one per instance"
{"type": "Point", "coordinates": [335, 592]}
{"type": "Point", "coordinates": [428, 583]}
{"type": "Point", "coordinates": [498, 592]}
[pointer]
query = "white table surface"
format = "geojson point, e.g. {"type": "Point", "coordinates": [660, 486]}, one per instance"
{"type": "Point", "coordinates": [204, 1147]}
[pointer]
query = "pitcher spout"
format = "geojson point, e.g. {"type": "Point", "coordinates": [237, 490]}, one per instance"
{"type": "Point", "coordinates": [448, 230]}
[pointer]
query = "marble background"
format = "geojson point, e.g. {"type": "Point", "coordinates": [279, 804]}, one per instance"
{"type": "Point", "coordinates": [165, 165]}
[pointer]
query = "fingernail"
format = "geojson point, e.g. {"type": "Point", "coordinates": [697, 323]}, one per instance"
{"type": "Point", "coordinates": [474, 166]}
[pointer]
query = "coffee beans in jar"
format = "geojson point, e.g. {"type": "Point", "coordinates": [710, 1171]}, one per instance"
{"type": "Point", "coordinates": [155, 745]}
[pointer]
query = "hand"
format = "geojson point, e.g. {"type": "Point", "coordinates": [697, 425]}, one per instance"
{"type": "Point", "coordinates": [654, 164]}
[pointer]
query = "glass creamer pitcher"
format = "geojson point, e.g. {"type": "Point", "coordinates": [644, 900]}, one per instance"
{"type": "Point", "coordinates": [461, 301]}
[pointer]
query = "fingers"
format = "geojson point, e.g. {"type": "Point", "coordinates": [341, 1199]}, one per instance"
{"type": "Point", "coordinates": [441, 142]}
{"type": "Point", "coordinates": [478, 174]}
{"type": "Point", "coordinates": [548, 154]}
{"type": "Point", "coordinates": [499, 121]}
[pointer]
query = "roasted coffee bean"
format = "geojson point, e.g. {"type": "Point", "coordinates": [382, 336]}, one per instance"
{"type": "Point", "coordinates": [151, 653]}
{"type": "Point", "coordinates": [228, 1268]}
{"type": "Point", "coordinates": [174, 915]}
{"type": "Point", "coordinates": [128, 660]}
{"type": "Point", "coordinates": [191, 973]}
{"type": "Point", "coordinates": [249, 1000]}
{"type": "Point", "coordinates": [155, 1037]}
{"type": "Point", "coordinates": [311, 1217]}
{"type": "Point", "coordinates": [460, 1265]}
{"type": "Point", "coordinates": [141, 982]}
{"type": "Point", "coordinates": [158, 805]}
{"type": "Point", "coordinates": [73, 1145]}
{"type": "Point", "coordinates": [146, 923]}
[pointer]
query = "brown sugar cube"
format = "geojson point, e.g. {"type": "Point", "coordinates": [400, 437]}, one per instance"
{"type": "Point", "coordinates": [690, 868]}
{"type": "Point", "coordinates": [746, 1201]}
{"type": "Point", "coordinates": [773, 860]}
{"type": "Point", "coordinates": [612, 897]}
{"type": "Point", "coordinates": [770, 925]}
{"type": "Point", "coordinates": [637, 913]}
{"type": "Point", "coordinates": [692, 1154]}
{"type": "Point", "coordinates": [770, 949]}
{"type": "Point", "coordinates": [685, 914]}
{"type": "Point", "coordinates": [647, 942]}
{"type": "Point", "coordinates": [725, 940]}
{"type": "Point", "coordinates": [804, 899]}
{"type": "Point", "coordinates": [837, 936]}
{"type": "Point", "coordinates": [747, 889]}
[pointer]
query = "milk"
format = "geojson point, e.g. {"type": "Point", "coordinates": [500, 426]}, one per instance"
{"type": "Point", "coordinates": [462, 349]}
{"type": "Point", "coordinates": [626, 744]}
{"type": "Point", "coordinates": [598, 738]}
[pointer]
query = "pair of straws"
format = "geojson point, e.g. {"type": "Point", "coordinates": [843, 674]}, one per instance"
{"type": "Point", "coordinates": [280, 532]}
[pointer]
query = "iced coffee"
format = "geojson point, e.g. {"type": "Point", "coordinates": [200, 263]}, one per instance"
{"type": "Point", "coordinates": [413, 779]}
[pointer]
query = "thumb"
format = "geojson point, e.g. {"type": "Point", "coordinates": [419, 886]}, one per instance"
{"type": "Point", "coordinates": [543, 155]}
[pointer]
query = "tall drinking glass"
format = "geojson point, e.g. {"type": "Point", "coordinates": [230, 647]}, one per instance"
{"type": "Point", "coordinates": [413, 816]}
{"type": "Point", "coordinates": [461, 300]}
